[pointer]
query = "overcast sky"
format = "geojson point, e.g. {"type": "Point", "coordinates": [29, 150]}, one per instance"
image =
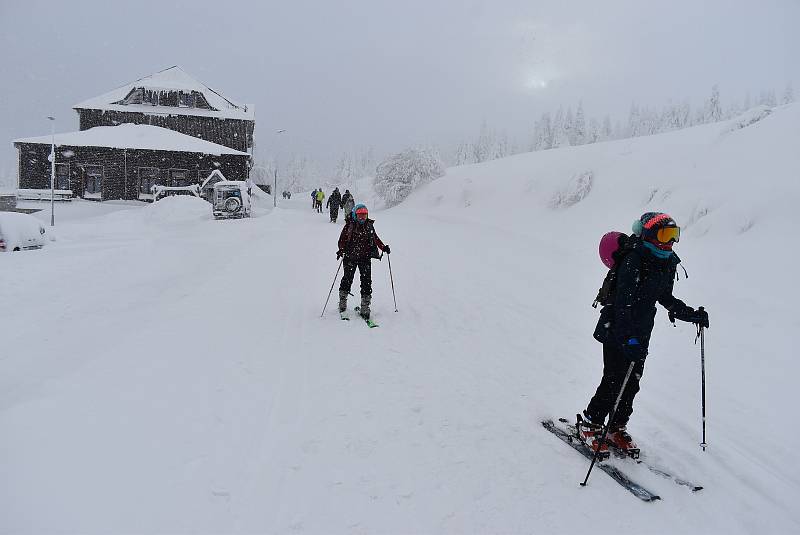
{"type": "Point", "coordinates": [346, 74]}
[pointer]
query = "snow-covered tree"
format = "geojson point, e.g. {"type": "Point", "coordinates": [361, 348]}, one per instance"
{"type": "Point", "coordinates": [397, 176]}
{"type": "Point", "coordinates": [607, 132]}
{"type": "Point", "coordinates": [579, 129]}
{"type": "Point", "coordinates": [634, 121]}
{"type": "Point", "coordinates": [559, 135]}
{"type": "Point", "coordinates": [713, 108]}
{"type": "Point", "coordinates": [788, 94]}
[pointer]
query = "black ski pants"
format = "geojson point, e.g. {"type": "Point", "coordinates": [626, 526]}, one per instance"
{"type": "Point", "coordinates": [364, 272]}
{"type": "Point", "coordinates": [615, 366]}
{"type": "Point", "coordinates": [334, 212]}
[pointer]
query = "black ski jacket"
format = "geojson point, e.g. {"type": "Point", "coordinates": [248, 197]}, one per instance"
{"type": "Point", "coordinates": [334, 200]}
{"type": "Point", "coordinates": [642, 280]}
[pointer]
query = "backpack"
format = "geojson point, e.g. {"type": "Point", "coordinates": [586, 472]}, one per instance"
{"type": "Point", "coordinates": [605, 296]}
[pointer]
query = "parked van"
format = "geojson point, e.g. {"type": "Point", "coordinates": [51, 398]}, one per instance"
{"type": "Point", "coordinates": [20, 232]}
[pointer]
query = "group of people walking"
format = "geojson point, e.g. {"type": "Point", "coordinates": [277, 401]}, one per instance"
{"type": "Point", "coordinates": [336, 201]}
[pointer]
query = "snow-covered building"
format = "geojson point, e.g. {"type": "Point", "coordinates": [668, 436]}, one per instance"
{"type": "Point", "coordinates": [164, 129]}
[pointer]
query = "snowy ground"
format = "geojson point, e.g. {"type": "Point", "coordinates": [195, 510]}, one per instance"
{"type": "Point", "coordinates": [166, 373]}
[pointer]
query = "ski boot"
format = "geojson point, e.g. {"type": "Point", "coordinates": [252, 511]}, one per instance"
{"type": "Point", "coordinates": [364, 309]}
{"type": "Point", "coordinates": [342, 301]}
{"type": "Point", "coordinates": [619, 439]}
{"type": "Point", "coordinates": [590, 434]}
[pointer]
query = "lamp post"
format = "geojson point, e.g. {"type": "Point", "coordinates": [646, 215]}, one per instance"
{"type": "Point", "coordinates": [275, 181]}
{"type": "Point", "coordinates": [52, 169]}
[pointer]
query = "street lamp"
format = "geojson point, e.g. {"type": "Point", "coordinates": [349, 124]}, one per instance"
{"type": "Point", "coordinates": [275, 182]}
{"type": "Point", "coordinates": [52, 169]}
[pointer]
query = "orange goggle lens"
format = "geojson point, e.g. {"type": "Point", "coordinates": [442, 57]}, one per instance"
{"type": "Point", "coordinates": [361, 214]}
{"type": "Point", "coordinates": [667, 234]}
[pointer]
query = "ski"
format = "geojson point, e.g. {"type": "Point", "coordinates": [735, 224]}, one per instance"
{"type": "Point", "coordinates": [622, 454]}
{"type": "Point", "coordinates": [615, 473]}
{"type": "Point", "coordinates": [368, 321]}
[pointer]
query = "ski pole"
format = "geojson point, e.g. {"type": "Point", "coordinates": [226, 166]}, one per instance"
{"type": "Point", "coordinates": [332, 285]}
{"type": "Point", "coordinates": [391, 278]}
{"type": "Point", "coordinates": [610, 419]}
{"type": "Point", "coordinates": [701, 332]}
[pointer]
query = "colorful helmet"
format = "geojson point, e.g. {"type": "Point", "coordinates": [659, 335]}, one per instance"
{"type": "Point", "coordinates": [360, 213]}
{"type": "Point", "coordinates": [657, 228]}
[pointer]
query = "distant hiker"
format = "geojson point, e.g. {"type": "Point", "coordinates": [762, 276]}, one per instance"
{"type": "Point", "coordinates": [358, 244]}
{"type": "Point", "coordinates": [347, 204]}
{"type": "Point", "coordinates": [644, 273]}
{"type": "Point", "coordinates": [314, 199]}
{"type": "Point", "coordinates": [334, 201]}
{"type": "Point", "coordinates": [320, 198]}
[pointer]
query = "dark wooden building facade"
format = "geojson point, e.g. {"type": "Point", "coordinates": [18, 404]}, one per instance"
{"type": "Point", "coordinates": [207, 132]}
{"type": "Point", "coordinates": [103, 173]}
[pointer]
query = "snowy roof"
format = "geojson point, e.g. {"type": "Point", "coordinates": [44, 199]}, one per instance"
{"type": "Point", "coordinates": [134, 136]}
{"type": "Point", "coordinates": [215, 174]}
{"type": "Point", "coordinates": [171, 79]}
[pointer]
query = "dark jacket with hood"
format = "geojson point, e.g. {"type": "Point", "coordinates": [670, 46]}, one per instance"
{"type": "Point", "coordinates": [642, 280]}
{"type": "Point", "coordinates": [359, 240]}
{"type": "Point", "coordinates": [335, 200]}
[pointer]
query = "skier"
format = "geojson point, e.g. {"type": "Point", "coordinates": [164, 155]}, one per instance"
{"type": "Point", "coordinates": [320, 198]}
{"type": "Point", "coordinates": [347, 204]}
{"type": "Point", "coordinates": [334, 201]}
{"type": "Point", "coordinates": [644, 276]}
{"type": "Point", "coordinates": [358, 244]}
{"type": "Point", "coordinates": [314, 199]}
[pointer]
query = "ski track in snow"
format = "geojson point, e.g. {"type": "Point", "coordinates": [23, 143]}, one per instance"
{"type": "Point", "coordinates": [168, 373]}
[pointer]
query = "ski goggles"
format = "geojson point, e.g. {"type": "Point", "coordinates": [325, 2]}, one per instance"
{"type": "Point", "coordinates": [668, 234]}
{"type": "Point", "coordinates": [361, 214]}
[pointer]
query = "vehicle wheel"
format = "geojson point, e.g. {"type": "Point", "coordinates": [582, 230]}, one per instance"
{"type": "Point", "coordinates": [232, 204]}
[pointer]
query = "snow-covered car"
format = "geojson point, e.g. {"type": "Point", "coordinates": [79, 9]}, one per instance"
{"type": "Point", "coordinates": [20, 232]}
{"type": "Point", "coordinates": [159, 192]}
{"type": "Point", "coordinates": [231, 200]}
{"type": "Point", "coordinates": [8, 200]}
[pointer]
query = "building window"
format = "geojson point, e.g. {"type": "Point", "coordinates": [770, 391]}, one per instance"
{"type": "Point", "coordinates": [180, 177]}
{"type": "Point", "coordinates": [148, 177]}
{"type": "Point", "coordinates": [93, 181]}
{"type": "Point", "coordinates": [62, 176]}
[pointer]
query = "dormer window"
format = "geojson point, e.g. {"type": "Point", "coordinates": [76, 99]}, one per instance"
{"type": "Point", "coordinates": [166, 98]}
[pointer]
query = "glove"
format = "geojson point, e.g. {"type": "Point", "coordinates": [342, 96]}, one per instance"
{"type": "Point", "coordinates": [698, 317]}
{"type": "Point", "coordinates": [633, 350]}
{"type": "Point", "coordinates": [339, 254]}
{"type": "Point", "coordinates": [386, 249]}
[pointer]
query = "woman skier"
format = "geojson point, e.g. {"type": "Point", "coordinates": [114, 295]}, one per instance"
{"type": "Point", "coordinates": [358, 244]}
{"type": "Point", "coordinates": [644, 276]}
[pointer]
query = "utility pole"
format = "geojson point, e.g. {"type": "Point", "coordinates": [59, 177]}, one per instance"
{"type": "Point", "coordinates": [52, 169]}
{"type": "Point", "coordinates": [275, 182]}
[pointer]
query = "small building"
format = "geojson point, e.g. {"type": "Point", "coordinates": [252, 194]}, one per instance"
{"type": "Point", "coordinates": [164, 129]}
{"type": "Point", "coordinates": [125, 161]}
